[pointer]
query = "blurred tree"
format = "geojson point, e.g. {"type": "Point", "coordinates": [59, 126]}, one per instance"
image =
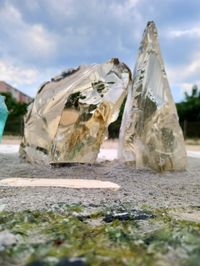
{"type": "Point", "coordinates": [14, 124]}
{"type": "Point", "coordinates": [15, 108]}
{"type": "Point", "coordinates": [189, 109]}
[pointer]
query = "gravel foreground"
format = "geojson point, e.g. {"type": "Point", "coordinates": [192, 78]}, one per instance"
{"type": "Point", "coordinates": [138, 188]}
{"type": "Point", "coordinates": [152, 220]}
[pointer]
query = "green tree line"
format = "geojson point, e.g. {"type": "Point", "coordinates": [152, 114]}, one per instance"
{"type": "Point", "coordinates": [189, 109]}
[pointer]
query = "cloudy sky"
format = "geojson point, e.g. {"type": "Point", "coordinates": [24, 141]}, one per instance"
{"type": "Point", "coordinates": [40, 38]}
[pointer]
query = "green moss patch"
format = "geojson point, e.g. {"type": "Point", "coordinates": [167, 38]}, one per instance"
{"type": "Point", "coordinates": [56, 238]}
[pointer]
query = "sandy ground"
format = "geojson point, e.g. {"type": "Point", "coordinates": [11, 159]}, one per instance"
{"type": "Point", "coordinates": [137, 187]}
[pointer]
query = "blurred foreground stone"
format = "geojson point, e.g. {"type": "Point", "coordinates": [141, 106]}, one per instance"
{"type": "Point", "coordinates": [150, 134]}
{"type": "Point", "coordinates": [6, 239]}
{"type": "Point", "coordinates": [69, 118]}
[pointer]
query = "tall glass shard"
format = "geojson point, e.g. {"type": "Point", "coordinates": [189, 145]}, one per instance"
{"type": "Point", "coordinates": [150, 135]}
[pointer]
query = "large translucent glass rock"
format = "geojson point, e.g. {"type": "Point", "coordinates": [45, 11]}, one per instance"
{"type": "Point", "coordinates": [3, 115]}
{"type": "Point", "coordinates": [68, 120]}
{"type": "Point", "coordinates": [150, 135]}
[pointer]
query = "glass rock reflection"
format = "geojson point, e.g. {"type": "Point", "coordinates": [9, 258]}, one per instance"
{"type": "Point", "coordinates": [150, 134]}
{"type": "Point", "coordinates": [69, 118]}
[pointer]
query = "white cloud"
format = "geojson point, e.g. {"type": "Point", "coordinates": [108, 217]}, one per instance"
{"type": "Point", "coordinates": [187, 87]}
{"type": "Point", "coordinates": [194, 67]}
{"type": "Point", "coordinates": [39, 41]}
{"type": "Point", "coordinates": [27, 79]}
{"type": "Point", "coordinates": [29, 40]}
{"type": "Point", "coordinates": [17, 75]}
{"type": "Point", "coordinates": [10, 15]}
{"type": "Point", "coordinates": [193, 32]}
{"type": "Point", "coordinates": [32, 5]}
{"type": "Point", "coordinates": [46, 34]}
{"type": "Point", "coordinates": [126, 11]}
{"type": "Point", "coordinates": [69, 29]}
{"type": "Point", "coordinates": [63, 8]}
{"type": "Point", "coordinates": [186, 71]}
{"type": "Point", "coordinates": [133, 3]}
{"type": "Point", "coordinates": [185, 76]}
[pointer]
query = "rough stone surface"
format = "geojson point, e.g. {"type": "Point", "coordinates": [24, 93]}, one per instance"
{"type": "Point", "coordinates": [150, 134]}
{"type": "Point", "coordinates": [69, 118]}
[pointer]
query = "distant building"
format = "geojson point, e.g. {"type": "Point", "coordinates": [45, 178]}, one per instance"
{"type": "Point", "coordinates": [18, 95]}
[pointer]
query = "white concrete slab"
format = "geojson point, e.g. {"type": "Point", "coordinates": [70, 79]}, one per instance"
{"type": "Point", "coordinates": [57, 182]}
{"type": "Point", "coordinates": [9, 148]}
{"type": "Point", "coordinates": [107, 154]}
